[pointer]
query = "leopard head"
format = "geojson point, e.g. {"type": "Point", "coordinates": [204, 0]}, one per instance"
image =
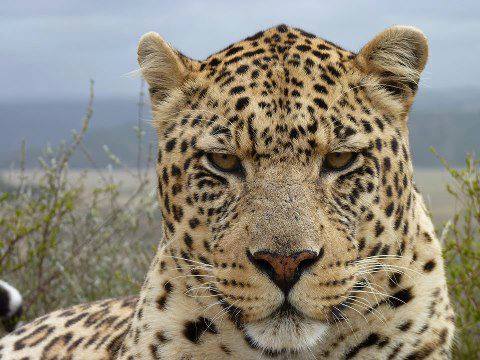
{"type": "Point", "coordinates": [283, 162]}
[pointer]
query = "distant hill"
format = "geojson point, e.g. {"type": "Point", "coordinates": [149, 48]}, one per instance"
{"type": "Point", "coordinates": [447, 120]}
{"type": "Point", "coordinates": [42, 123]}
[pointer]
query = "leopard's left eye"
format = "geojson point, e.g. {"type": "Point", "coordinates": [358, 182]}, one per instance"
{"type": "Point", "coordinates": [337, 161]}
{"type": "Point", "coordinates": [225, 162]}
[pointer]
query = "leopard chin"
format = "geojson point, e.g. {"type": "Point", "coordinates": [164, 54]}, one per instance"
{"type": "Point", "coordinates": [285, 331]}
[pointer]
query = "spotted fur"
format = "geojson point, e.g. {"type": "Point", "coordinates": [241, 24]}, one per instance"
{"type": "Point", "coordinates": [280, 101]}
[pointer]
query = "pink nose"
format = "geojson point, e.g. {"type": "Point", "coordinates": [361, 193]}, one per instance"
{"type": "Point", "coordinates": [283, 270]}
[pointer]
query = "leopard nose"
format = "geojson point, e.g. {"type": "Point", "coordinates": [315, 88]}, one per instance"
{"type": "Point", "coordinates": [284, 270]}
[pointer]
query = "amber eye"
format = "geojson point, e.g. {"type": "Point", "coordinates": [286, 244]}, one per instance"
{"type": "Point", "coordinates": [339, 160]}
{"type": "Point", "coordinates": [225, 162]}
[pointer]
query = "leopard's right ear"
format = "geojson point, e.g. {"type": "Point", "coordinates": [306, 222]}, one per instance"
{"type": "Point", "coordinates": [393, 62]}
{"type": "Point", "coordinates": [164, 68]}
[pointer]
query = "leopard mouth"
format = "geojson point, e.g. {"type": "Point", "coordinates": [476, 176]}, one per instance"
{"type": "Point", "coordinates": [286, 330]}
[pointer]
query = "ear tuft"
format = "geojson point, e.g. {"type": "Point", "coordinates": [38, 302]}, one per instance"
{"type": "Point", "coordinates": [163, 68]}
{"type": "Point", "coordinates": [395, 58]}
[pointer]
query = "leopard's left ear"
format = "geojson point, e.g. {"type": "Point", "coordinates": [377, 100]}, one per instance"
{"type": "Point", "coordinates": [393, 62]}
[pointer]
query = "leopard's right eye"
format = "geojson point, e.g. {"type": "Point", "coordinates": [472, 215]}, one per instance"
{"type": "Point", "coordinates": [337, 161]}
{"type": "Point", "coordinates": [225, 162]}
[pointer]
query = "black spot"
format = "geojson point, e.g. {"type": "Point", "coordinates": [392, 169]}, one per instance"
{"type": "Point", "coordinates": [320, 88]}
{"type": "Point", "coordinates": [369, 216]}
{"type": "Point", "coordinates": [177, 213]}
{"type": "Point", "coordinates": [379, 228]}
{"type": "Point", "coordinates": [320, 103]}
{"type": "Point", "coordinates": [370, 187]}
{"type": "Point", "coordinates": [375, 249]}
{"type": "Point", "coordinates": [214, 62]}
{"type": "Point", "coordinates": [176, 188]}
{"type": "Point", "coordinates": [405, 326]}
{"type": "Point", "coordinates": [254, 52]}
{"type": "Point", "coordinates": [242, 103]}
{"type": "Point", "coordinates": [422, 353]}
{"type": "Point", "coordinates": [389, 209]}
{"type": "Point", "coordinates": [188, 240]}
{"type": "Point", "coordinates": [161, 302]}
{"type": "Point", "coordinates": [293, 134]}
{"type": "Point", "coordinates": [383, 343]}
{"type": "Point", "coordinates": [237, 90]}
{"type": "Point", "coordinates": [170, 145]}
{"type": "Point", "coordinates": [303, 48]}
{"type": "Point", "coordinates": [184, 146]}
{"type": "Point", "coordinates": [395, 279]}
{"type": "Point", "coordinates": [194, 222]}
{"type": "Point", "coordinates": [233, 50]}
{"type": "Point", "coordinates": [394, 144]}
{"type": "Point", "coordinates": [195, 329]}
{"type": "Point", "coordinates": [328, 79]}
{"type": "Point", "coordinates": [400, 298]}
{"type": "Point", "coordinates": [366, 126]}
{"type": "Point", "coordinates": [313, 127]}
{"type": "Point", "coordinates": [170, 226]}
{"type": "Point", "coordinates": [176, 171]}
{"type": "Point", "coordinates": [168, 286]}
{"type": "Point", "coordinates": [361, 244]}
{"type": "Point", "coordinates": [75, 319]}
{"type": "Point", "coordinates": [371, 340]}
{"type": "Point", "coordinates": [321, 55]}
{"type": "Point", "coordinates": [242, 69]}
{"type": "Point", "coordinates": [387, 164]}
{"type": "Point", "coordinates": [389, 191]}
{"type": "Point", "coordinates": [379, 123]}
{"type": "Point", "coordinates": [385, 250]}
{"type": "Point", "coordinates": [429, 266]}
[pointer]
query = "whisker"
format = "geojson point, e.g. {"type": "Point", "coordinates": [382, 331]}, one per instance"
{"type": "Point", "coordinates": [382, 318]}
{"type": "Point", "coordinates": [194, 276]}
{"type": "Point", "coordinates": [352, 308]}
{"type": "Point", "coordinates": [347, 321]}
{"type": "Point", "coordinates": [187, 260]}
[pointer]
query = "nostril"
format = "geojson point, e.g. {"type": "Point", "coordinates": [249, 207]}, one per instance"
{"type": "Point", "coordinates": [264, 262]}
{"type": "Point", "coordinates": [283, 270]}
{"type": "Point", "coordinates": [305, 264]}
{"type": "Point", "coordinates": [264, 265]}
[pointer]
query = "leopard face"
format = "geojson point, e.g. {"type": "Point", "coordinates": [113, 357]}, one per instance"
{"type": "Point", "coordinates": [283, 169]}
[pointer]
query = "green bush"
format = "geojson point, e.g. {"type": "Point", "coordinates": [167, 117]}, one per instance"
{"type": "Point", "coordinates": [63, 241]}
{"type": "Point", "coordinates": [461, 241]}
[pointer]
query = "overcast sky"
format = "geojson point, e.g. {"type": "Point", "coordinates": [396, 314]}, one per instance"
{"type": "Point", "coordinates": [50, 48]}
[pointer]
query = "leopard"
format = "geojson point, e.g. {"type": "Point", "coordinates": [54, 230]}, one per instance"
{"type": "Point", "coordinates": [291, 224]}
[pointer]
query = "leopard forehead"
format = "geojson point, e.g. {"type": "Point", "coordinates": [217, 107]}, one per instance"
{"type": "Point", "coordinates": [280, 90]}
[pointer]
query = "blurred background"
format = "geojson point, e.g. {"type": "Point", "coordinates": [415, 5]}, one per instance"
{"type": "Point", "coordinates": [80, 200]}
